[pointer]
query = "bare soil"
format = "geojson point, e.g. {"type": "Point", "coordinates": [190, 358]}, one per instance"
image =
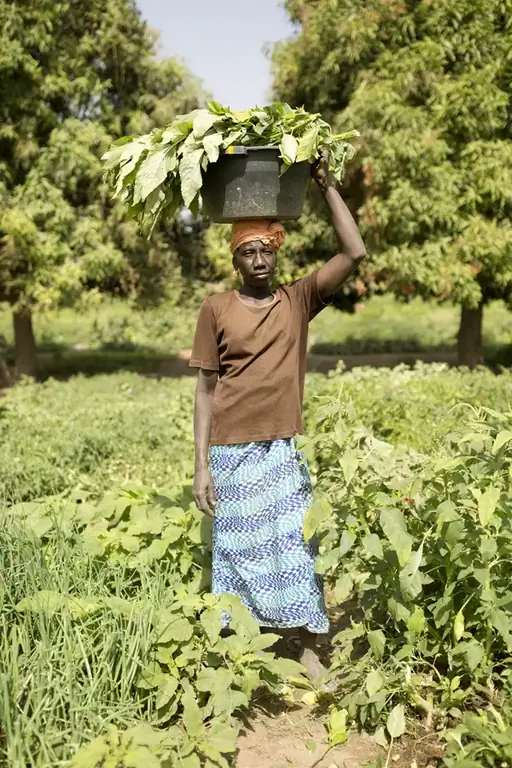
{"type": "Point", "coordinates": [298, 739]}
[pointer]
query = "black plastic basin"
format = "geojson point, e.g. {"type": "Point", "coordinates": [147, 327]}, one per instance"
{"type": "Point", "coordinates": [246, 183]}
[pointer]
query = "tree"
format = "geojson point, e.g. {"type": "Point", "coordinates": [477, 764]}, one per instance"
{"type": "Point", "coordinates": [73, 77]}
{"type": "Point", "coordinates": [427, 82]}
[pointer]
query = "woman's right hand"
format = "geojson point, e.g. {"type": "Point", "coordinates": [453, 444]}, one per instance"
{"type": "Point", "coordinates": [204, 492]}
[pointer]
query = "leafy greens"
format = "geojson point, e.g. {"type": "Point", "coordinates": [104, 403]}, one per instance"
{"type": "Point", "coordinates": [155, 174]}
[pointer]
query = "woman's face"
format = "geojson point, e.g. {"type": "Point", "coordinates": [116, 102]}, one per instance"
{"type": "Point", "coordinates": [256, 262]}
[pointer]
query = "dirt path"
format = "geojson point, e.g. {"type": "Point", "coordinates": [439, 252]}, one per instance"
{"type": "Point", "coordinates": [297, 740]}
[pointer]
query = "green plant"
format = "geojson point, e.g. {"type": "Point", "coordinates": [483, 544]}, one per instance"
{"type": "Point", "coordinates": [155, 174]}
{"type": "Point", "coordinates": [104, 620]}
{"type": "Point", "coordinates": [428, 89]}
{"type": "Point", "coordinates": [88, 77]}
{"type": "Point", "coordinates": [418, 550]}
{"type": "Point", "coordinates": [414, 407]}
{"type": "Point", "coordinates": [481, 739]}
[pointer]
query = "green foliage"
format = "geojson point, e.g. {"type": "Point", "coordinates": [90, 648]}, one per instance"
{"type": "Point", "coordinates": [383, 324]}
{"type": "Point", "coordinates": [417, 550]}
{"type": "Point", "coordinates": [415, 407]}
{"type": "Point", "coordinates": [95, 434]}
{"type": "Point", "coordinates": [427, 86]}
{"type": "Point", "coordinates": [110, 623]}
{"type": "Point", "coordinates": [155, 174]}
{"type": "Point", "coordinates": [481, 739]}
{"type": "Point", "coordinates": [111, 324]}
{"type": "Point", "coordinates": [72, 80]}
{"type": "Point", "coordinates": [103, 605]}
{"type": "Point", "coordinates": [121, 325]}
{"type": "Point", "coordinates": [113, 429]}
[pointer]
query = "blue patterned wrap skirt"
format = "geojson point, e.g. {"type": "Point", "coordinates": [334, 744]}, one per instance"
{"type": "Point", "coordinates": [259, 553]}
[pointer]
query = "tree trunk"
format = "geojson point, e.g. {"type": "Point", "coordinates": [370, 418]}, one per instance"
{"type": "Point", "coordinates": [5, 376]}
{"type": "Point", "coordinates": [469, 340]}
{"type": "Point", "coordinates": [25, 343]}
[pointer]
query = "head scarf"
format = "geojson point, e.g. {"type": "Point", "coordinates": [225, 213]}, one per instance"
{"type": "Point", "coordinates": [269, 232]}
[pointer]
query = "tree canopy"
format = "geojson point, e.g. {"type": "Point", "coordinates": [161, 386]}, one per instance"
{"type": "Point", "coordinates": [73, 77]}
{"type": "Point", "coordinates": [427, 82]}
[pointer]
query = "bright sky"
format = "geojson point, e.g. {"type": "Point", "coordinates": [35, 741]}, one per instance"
{"type": "Point", "coordinates": [222, 43]}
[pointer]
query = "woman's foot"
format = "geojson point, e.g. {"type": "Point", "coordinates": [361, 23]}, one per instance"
{"type": "Point", "coordinates": [312, 664]}
{"type": "Point", "coordinates": [310, 660]}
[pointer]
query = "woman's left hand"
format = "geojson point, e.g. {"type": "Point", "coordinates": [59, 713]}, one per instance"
{"type": "Point", "coordinates": [320, 172]}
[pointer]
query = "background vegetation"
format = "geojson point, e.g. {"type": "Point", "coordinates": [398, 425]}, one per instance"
{"type": "Point", "coordinates": [110, 644]}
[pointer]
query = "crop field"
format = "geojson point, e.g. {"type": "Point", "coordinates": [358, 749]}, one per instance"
{"type": "Point", "coordinates": [110, 643]}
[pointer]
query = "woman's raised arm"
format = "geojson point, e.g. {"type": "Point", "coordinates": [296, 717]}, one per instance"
{"type": "Point", "coordinates": [352, 248]}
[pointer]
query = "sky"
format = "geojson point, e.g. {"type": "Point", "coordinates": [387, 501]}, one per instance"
{"type": "Point", "coordinates": [222, 43]}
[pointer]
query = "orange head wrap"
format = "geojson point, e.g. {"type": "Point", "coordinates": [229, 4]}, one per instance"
{"type": "Point", "coordinates": [269, 232]}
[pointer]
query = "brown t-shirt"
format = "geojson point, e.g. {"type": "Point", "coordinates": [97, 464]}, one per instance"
{"type": "Point", "coordinates": [260, 354]}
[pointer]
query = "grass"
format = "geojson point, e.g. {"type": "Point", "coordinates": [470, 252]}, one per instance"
{"type": "Point", "coordinates": [95, 433]}
{"type": "Point", "coordinates": [385, 325]}
{"type": "Point", "coordinates": [109, 430]}
{"type": "Point", "coordinates": [63, 677]}
{"type": "Point", "coordinates": [116, 336]}
{"type": "Point", "coordinates": [111, 325]}
{"type": "Point", "coordinates": [66, 672]}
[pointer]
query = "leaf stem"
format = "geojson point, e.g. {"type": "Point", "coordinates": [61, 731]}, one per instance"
{"type": "Point", "coordinates": [389, 753]}
{"type": "Point", "coordinates": [322, 756]}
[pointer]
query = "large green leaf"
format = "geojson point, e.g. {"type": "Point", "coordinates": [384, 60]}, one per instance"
{"type": "Point", "coordinates": [222, 737]}
{"type": "Point", "coordinates": [166, 692]}
{"type": "Point", "coordinates": [458, 627]}
{"type": "Point", "coordinates": [377, 640]}
{"type": "Point", "coordinates": [180, 630]}
{"type": "Point", "coordinates": [416, 621]}
{"type": "Point", "coordinates": [372, 546]}
{"type": "Point", "coordinates": [153, 171]}
{"type": "Point", "coordinates": [211, 144]}
{"type": "Point", "coordinates": [190, 175]}
{"type": "Point", "coordinates": [192, 717]}
{"type": "Point", "coordinates": [343, 587]}
{"type": "Point", "coordinates": [337, 727]}
{"type": "Point", "coordinates": [410, 576]}
{"type": "Point", "coordinates": [346, 543]}
{"type": "Point", "coordinates": [211, 621]}
{"type": "Point", "coordinates": [318, 512]}
{"type": "Point", "coordinates": [374, 682]}
{"type": "Point", "coordinates": [289, 148]}
{"type": "Point", "coordinates": [203, 121]}
{"type": "Point", "coordinates": [502, 438]}
{"type": "Point", "coordinates": [393, 524]}
{"type": "Point", "coordinates": [487, 504]}
{"type": "Point", "coordinates": [349, 463]}
{"type": "Point", "coordinates": [308, 144]}
{"type": "Point", "coordinates": [396, 722]}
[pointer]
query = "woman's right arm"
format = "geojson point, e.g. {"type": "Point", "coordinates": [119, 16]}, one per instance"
{"type": "Point", "coordinates": [204, 492]}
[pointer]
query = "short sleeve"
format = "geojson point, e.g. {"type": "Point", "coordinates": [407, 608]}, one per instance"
{"type": "Point", "coordinates": [307, 292]}
{"type": "Point", "coordinates": [205, 352]}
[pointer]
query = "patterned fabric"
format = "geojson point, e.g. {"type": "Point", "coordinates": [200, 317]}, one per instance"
{"type": "Point", "coordinates": [259, 552]}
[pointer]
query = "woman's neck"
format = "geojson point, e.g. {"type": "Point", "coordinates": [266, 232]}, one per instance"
{"type": "Point", "coordinates": [257, 293]}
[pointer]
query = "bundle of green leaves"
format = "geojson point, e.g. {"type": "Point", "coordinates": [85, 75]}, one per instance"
{"type": "Point", "coordinates": [155, 174]}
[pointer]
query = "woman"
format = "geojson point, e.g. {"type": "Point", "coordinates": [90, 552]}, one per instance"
{"type": "Point", "coordinates": [250, 348]}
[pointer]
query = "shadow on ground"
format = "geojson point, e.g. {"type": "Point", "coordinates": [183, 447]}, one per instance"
{"type": "Point", "coordinates": [63, 363]}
